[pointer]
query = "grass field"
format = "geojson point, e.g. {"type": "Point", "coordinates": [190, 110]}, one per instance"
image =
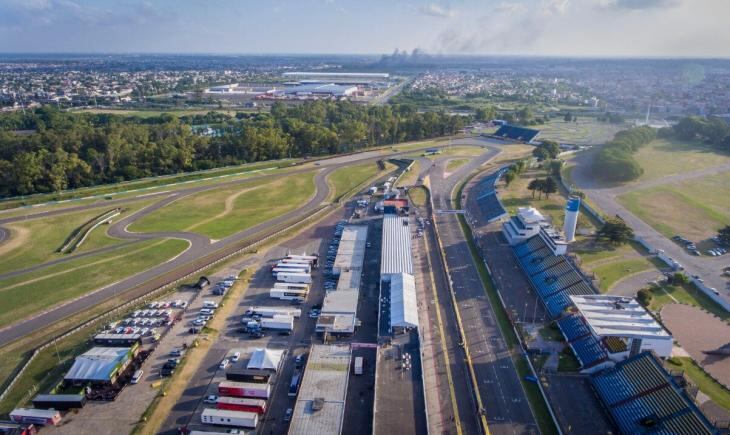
{"type": "Point", "coordinates": [587, 131]}
{"type": "Point", "coordinates": [25, 295]}
{"type": "Point", "coordinates": [716, 391]}
{"type": "Point", "coordinates": [456, 150]}
{"type": "Point", "coordinates": [615, 270]}
{"type": "Point", "coordinates": [345, 179]}
{"type": "Point", "coordinates": [662, 157]}
{"type": "Point", "coordinates": [35, 241]}
{"type": "Point", "coordinates": [699, 206]}
{"type": "Point", "coordinates": [455, 164]}
{"type": "Point", "coordinates": [218, 213]}
{"type": "Point", "coordinates": [686, 294]}
{"type": "Point", "coordinates": [516, 195]}
{"type": "Point", "coordinates": [418, 196]}
{"type": "Point", "coordinates": [411, 177]}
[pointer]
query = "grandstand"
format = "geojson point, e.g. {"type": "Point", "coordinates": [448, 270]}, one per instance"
{"type": "Point", "coordinates": [641, 398]}
{"type": "Point", "coordinates": [487, 200]}
{"type": "Point", "coordinates": [554, 278]}
{"type": "Point", "coordinates": [519, 134]}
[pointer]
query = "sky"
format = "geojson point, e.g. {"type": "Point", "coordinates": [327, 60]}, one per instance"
{"type": "Point", "coordinates": [611, 28]}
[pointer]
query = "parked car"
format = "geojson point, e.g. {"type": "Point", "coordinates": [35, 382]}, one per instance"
{"type": "Point", "coordinates": [212, 399]}
{"type": "Point", "coordinates": [236, 356]}
{"type": "Point", "coordinates": [224, 364]}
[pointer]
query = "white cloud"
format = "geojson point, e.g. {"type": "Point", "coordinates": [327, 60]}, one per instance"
{"type": "Point", "coordinates": [511, 8]}
{"type": "Point", "coordinates": [436, 10]}
{"type": "Point", "coordinates": [640, 4]}
{"type": "Point", "coordinates": [551, 7]}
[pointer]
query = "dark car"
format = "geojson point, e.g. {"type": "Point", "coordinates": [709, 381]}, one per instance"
{"type": "Point", "coordinates": [194, 330]}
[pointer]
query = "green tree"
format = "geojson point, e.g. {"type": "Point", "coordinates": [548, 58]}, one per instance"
{"type": "Point", "coordinates": [483, 114]}
{"type": "Point", "coordinates": [535, 185]}
{"type": "Point", "coordinates": [616, 231]}
{"type": "Point", "coordinates": [549, 186]}
{"type": "Point", "coordinates": [509, 176]}
{"type": "Point", "coordinates": [568, 117]}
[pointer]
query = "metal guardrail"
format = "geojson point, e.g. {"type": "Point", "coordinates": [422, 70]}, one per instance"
{"type": "Point", "coordinates": [148, 296]}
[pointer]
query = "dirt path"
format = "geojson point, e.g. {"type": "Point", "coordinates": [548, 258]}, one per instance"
{"type": "Point", "coordinates": [18, 237]}
{"type": "Point", "coordinates": [230, 201]}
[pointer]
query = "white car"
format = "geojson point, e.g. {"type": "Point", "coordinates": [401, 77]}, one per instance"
{"type": "Point", "coordinates": [212, 399]}
{"type": "Point", "coordinates": [225, 363]}
{"type": "Point", "coordinates": [236, 356]}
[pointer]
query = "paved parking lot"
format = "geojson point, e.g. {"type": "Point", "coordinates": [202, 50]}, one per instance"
{"type": "Point", "coordinates": [122, 415]}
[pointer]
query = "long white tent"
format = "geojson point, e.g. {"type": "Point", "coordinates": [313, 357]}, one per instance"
{"type": "Point", "coordinates": [403, 302]}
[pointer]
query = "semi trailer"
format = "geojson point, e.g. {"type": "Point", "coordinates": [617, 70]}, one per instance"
{"type": "Point", "coordinates": [244, 389]}
{"type": "Point", "coordinates": [224, 417]}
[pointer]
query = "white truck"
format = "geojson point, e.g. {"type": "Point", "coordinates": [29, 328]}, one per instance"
{"type": "Point", "coordinates": [358, 365]}
{"type": "Point", "coordinates": [300, 268]}
{"type": "Point", "coordinates": [286, 294]}
{"type": "Point", "coordinates": [279, 322]}
{"type": "Point", "coordinates": [225, 417]}
{"type": "Point", "coordinates": [301, 278]}
{"type": "Point", "coordinates": [273, 311]}
{"type": "Point", "coordinates": [291, 286]}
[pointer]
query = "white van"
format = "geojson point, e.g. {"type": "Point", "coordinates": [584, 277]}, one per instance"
{"type": "Point", "coordinates": [137, 376]}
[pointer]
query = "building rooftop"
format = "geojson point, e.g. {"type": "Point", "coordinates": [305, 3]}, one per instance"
{"type": "Point", "coordinates": [341, 302]}
{"type": "Point", "coordinates": [403, 302]}
{"type": "Point", "coordinates": [618, 316]}
{"type": "Point", "coordinates": [396, 254]}
{"type": "Point", "coordinates": [320, 405]}
{"type": "Point", "coordinates": [351, 251]}
{"type": "Point", "coordinates": [265, 359]}
{"type": "Point", "coordinates": [530, 215]}
{"type": "Point", "coordinates": [98, 364]}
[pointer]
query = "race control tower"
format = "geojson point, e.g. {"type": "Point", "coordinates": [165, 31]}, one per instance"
{"type": "Point", "coordinates": [571, 217]}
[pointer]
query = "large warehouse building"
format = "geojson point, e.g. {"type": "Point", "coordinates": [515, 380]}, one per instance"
{"type": "Point", "coordinates": [320, 406]}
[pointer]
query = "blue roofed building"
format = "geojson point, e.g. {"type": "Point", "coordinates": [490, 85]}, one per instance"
{"type": "Point", "coordinates": [517, 133]}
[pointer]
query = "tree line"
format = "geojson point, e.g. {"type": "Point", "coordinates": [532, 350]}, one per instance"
{"type": "Point", "coordinates": [615, 161]}
{"type": "Point", "coordinates": [712, 131]}
{"type": "Point", "coordinates": [47, 150]}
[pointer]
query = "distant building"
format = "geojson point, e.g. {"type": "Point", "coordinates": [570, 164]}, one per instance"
{"type": "Point", "coordinates": [515, 133]}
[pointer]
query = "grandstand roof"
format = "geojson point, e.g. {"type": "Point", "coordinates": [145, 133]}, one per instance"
{"type": "Point", "coordinates": [396, 248]}
{"type": "Point", "coordinates": [642, 399]}
{"type": "Point", "coordinates": [514, 132]}
{"type": "Point", "coordinates": [618, 316]}
{"type": "Point", "coordinates": [530, 215]}
{"type": "Point", "coordinates": [403, 303]}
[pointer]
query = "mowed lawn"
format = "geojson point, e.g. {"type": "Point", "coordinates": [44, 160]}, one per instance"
{"type": "Point", "coordinates": [717, 392]}
{"type": "Point", "coordinates": [699, 207]}
{"type": "Point", "coordinates": [587, 131]}
{"type": "Point", "coordinates": [36, 241]}
{"type": "Point", "coordinates": [218, 213]}
{"type": "Point", "coordinates": [662, 158]}
{"type": "Point", "coordinates": [28, 294]}
{"type": "Point", "coordinates": [455, 164]}
{"type": "Point", "coordinates": [345, 179]}
{"type": "Point", "coordinates": [411, 177]}
{"type": "Point", "coordinates": [455, 150]}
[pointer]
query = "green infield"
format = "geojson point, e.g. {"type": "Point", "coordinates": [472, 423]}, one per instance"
{"type": "Point", "coordinates": [218, 213]}
{"type": "Point", "coordinates": [455, 164]}
{"type": "Point", "coordinates": [662, 158]}
{"type": "Point", "coordinates": [517, 195]}
{"type": "Point", "coordinates": [345, 179]}
{"type": "Point", "coordinates": [25, 295]}
{"type": "Point", "coordinates": [699, 206]}
{"type": "Point", "coordinates": [36, 241]}
{"type": "Point", "coordinates": [418, 196]}
{"type": "Point", "coordinates": [411, 177]}
{"type": "Point", "coordinates": [452, 150]}
{"type": "Point", "coordinates": [587, 131]}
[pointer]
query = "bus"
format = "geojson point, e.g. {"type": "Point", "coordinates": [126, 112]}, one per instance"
{"type": "Point", "coordinates": [294, 385]}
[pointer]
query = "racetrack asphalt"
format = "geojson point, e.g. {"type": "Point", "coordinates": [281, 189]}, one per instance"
{"type": "Point", "coordinates": [504, 400]}
{"type": "Point", "coordinates": [200, 252]}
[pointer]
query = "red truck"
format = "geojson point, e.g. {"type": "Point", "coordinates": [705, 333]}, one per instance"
{"type": "Point", "coordinates": [241, 404]}
{"type": "Point", "coordinates": [244, 389]}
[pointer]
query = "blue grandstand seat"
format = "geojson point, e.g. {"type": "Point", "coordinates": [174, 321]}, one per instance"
{"type": "Point", "coordinates": [589, 350]}
{"type": "Point", "coordinates": [516, 133]}
{"type": "Point", "coordinates": [573, 327]}
{"type": "Point", "coordinates": [642, 399]}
